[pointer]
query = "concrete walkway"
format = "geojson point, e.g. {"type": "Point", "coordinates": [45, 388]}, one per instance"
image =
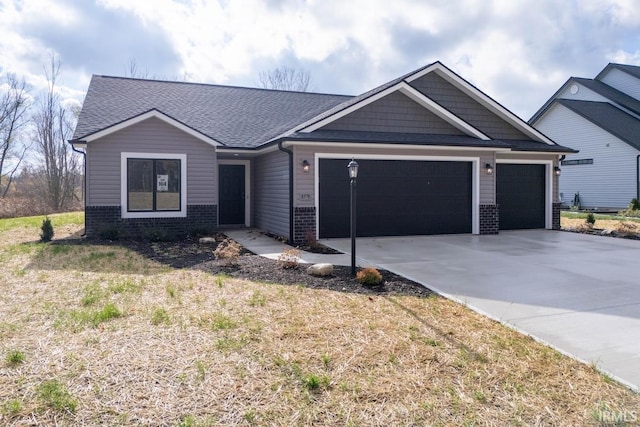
{"type": "Point", "coordinates": [256, 241]}
{"type": "Point", "coordinates": [576, 292]}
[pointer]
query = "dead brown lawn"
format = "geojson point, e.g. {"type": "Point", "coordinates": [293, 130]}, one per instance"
{"type": "Point", "coordinates": [185, 348]}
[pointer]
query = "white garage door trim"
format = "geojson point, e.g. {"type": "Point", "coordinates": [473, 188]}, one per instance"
{"type": "Point", "coordinates": [475, 176]}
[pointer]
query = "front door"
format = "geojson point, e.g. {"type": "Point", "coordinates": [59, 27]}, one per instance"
{"type": "Point", "coordinates": [231, 194]}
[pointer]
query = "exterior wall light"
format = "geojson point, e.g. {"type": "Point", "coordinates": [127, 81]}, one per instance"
{"type": "Point", "coordinates": [488, 168]}
{"type": "Point", "coordinates": [305, 166]}
{"type": "Point", "coordinates": [557, 170]}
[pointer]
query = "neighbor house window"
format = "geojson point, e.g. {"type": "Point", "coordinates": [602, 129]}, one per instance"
{"type": "Point", "coordinates": [153, 185]}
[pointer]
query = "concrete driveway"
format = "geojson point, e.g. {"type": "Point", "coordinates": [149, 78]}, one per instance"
{"type": "Point", "coordinates": [575, 292]}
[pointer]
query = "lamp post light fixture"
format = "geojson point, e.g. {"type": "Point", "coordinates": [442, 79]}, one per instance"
{"type": "Point", "coordinates": [353, 175]}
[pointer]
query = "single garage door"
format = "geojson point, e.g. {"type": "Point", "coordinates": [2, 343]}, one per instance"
{"type": "Point", "coordinates": [520, 193]}
{"type": "Point", "coordinates": [396, 198]}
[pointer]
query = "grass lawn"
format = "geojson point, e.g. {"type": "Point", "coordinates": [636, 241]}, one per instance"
{"type": "Point", "coordinates": [95, 334]}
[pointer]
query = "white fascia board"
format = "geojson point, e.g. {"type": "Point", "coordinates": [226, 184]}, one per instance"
{"type": "Point", "coordinates": [483, 99]}
{"type": "Point", "coordinates": [369, 145]}
{"type": "Point", "coordinates": [145, 116]}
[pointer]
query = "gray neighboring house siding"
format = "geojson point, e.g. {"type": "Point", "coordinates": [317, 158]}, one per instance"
{"type": "Point", "coordinates": [271, 192]}
{"type": "Point", "coordinates": [600, 117]}
{"type": "Point", "coordinates": [150, 136]}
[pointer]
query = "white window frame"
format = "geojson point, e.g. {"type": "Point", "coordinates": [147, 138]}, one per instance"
{"type": "Point", "coordinates": [124, 157]}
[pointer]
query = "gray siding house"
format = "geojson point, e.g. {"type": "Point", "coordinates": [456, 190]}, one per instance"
{"type": "Point", "coordinates": [600, 117]}
{"type": "Point", "coordinates": [436, 156]}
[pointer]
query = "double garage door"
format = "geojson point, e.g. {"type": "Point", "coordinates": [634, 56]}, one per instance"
{"type": "Point", "coordinates": [407, 197]}
{"type": "Point", "coordinates": [396, 197]}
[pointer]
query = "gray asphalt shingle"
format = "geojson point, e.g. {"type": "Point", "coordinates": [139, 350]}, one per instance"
{"type": "Point", "coordinates": [233, 116]}
{"type": "Point", "coordinates": [608, 117]}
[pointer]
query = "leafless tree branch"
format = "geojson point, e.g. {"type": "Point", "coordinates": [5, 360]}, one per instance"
{"type": "Point", "coordinates": [285, 78]}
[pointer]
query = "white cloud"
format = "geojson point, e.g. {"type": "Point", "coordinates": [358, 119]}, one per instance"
{"type": "Point", "coordinates": [519, 52]}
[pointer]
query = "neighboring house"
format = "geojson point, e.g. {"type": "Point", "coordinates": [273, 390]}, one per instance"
{"type": "Point", "coordinates": [601, 119]}
{"type": "Point", "coordinates": [436, 156]}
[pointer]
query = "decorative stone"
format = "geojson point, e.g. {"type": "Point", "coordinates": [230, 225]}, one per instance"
{"type": "Point", "coordinates": [321, 270]}
{"type": "Point", "coordinates": [207, 240]}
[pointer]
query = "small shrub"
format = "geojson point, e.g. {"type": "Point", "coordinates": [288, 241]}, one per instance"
{"type": "Point", "coordinates": [591, 219]}
{"type": "Point", "coordinates": [15, 357]}
{"type": "Point", "coordinates": [634, 205]}
{"type": "Point", "coordinates": [369, 276]}
{"type": "Point", "coordinates": [46, 228]}
{"type": "Point", "coordinates": [289, 259]}
{"type": "Point", "coordinates": [228, 252]}
{"type": "Point", "coordinates": [633, 210]}
{"type": "Point", "coordinates": [156, 235]}
{"type": "Point", "coordinates": [310, 238]}
{"type": "Point", "coordinates": [109, 232]}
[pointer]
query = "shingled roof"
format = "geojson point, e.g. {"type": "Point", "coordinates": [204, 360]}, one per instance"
{"type": "Point", "coordinates": [234, 116]}
{"type": "Point", "coordinates": [608, 117]}
{"type": "Point", "coordinates": [246, 118]}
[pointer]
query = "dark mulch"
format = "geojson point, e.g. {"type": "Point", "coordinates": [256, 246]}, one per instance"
{"type": "Point", "coordinates": [190, 253]}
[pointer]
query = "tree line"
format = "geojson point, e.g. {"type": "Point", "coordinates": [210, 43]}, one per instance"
{"type": "Point", "coordinates": [39, 171]}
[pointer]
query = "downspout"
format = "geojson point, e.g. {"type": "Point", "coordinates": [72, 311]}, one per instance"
{"type": "Point", "coordinates": [84, 185]}
{"type": "Point", "coordinates": [290, 153]}
{"type": "Point", "coordinates": [638, 177]}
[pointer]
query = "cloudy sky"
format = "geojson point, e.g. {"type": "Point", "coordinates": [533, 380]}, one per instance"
{"type": "Point", "coordinates": [517, 51]}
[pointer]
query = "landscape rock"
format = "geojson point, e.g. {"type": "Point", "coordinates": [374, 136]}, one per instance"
{"type": "Point", "coordinates": [321, 270]}
{"type": "Point", "coordinates": [207, 240]}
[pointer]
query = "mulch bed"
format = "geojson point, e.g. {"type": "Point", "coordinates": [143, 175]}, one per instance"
{"type": "Point", "coordinates": [190, 253]}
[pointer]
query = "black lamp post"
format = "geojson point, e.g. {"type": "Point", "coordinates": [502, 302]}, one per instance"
{"type": "Point", "coordinates": [353, 174]}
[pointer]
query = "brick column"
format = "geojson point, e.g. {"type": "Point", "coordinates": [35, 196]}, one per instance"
{"type": "Point", "coordinates": [489, 219]}
{"type": "Point", "coordinates": [304, 223]}
{"type": "Point", "coordinates": [555, 216]}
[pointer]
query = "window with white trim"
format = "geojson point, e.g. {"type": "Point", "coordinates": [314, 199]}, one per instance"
{"type": "Point", "coordinates": [153, 185]}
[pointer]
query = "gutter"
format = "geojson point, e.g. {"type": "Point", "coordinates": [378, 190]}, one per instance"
{"type": "Point", "coordinates": [638, 177]}
{"type": "Point", "coordinates": [84, 185]}
{"type": "Point", "coordinates": [290, 153]}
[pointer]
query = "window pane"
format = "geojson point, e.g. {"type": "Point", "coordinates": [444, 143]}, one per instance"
{"type": "Point", "coordinates": [140, 185]}
{"type": "Point", "coordinates": [168, 185]}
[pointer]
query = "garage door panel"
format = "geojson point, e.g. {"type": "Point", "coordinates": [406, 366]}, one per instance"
{"type": "Point", "coordinates": [396, 197]}
{"type": "Point", "coordinates": [520, 194]}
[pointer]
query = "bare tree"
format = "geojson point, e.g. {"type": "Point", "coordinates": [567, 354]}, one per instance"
{"type": "Point", "coordinates": [60, 166]}
{"type": "Point", "coordinates": [14, 104]}
{"type": "Point", "coordinates": [285, 78]}
{"type": "Point", "coordinates": [132, 70]}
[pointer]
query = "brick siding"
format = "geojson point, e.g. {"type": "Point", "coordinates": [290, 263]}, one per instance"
{"type": "Point", "coordinates": [304, 221]}
{"type": "Point", "coordinates": [101, 221]}
{"type": "Point", "coordinates": [489, 219]}
{"type": "Point", "coordinates": [555, 216]}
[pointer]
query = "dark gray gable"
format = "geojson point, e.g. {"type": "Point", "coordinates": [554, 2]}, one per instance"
{"type": "Point", "coordinates": [463, 106]}
{"type": "Point", "coordinates": [234, 116]}
{"type": "Point", "coordinates": [394, 113]}
{"type": "Point", "coordinates": [608, 117]}
{"type": "Point", "coordinates": [620, 98]}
